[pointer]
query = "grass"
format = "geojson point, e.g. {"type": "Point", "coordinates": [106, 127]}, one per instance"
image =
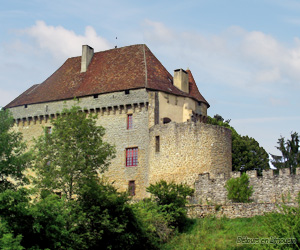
{"type": "Point", "coordinates": [213, 233]}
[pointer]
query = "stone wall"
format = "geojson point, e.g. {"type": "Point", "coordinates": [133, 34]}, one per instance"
{"type": "Point", "coordinates": [268, 188]}
{"type": "Point", "coordinates": [235, 210]}
{"type": "Point", "coordinates": [187, 149]}
{"type": "Point", "coordinates": [112, 110]}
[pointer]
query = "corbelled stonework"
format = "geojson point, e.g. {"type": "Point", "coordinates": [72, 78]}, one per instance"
{"type": "Point", "coordinates": [167, 129]}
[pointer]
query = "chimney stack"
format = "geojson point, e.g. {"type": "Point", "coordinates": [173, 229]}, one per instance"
{"type": "Point", "coordinates": [181, 80]}
{"type": "Point", "coordinates": [87, 55]}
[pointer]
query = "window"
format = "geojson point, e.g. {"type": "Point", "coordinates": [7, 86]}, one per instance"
{"type": "Point", "coordinates": [129, 121]}
{"type": "Point", "coordinates": [25, 106]}
{"type": "Point", "coordinates": [166, 120]}
{"type": "Point", "coordinates": [157, 144]}
{"type": "Point", "coordinates": [49, 130]}
{"type": "Point", "coordinates": [131, 157]}
{"type": "Point", "coordinates": [131, 188]}
{"type": "Point", "coordinates": [127, 92]}
{"type": "Point", "coordinates": [96, 96]}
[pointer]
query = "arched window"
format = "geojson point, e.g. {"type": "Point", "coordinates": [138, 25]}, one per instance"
{"type": "Point", "coordinates": [166, 120]}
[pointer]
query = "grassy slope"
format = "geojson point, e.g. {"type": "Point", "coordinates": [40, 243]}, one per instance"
{"type": "Point", "coordinates": [212, 233]}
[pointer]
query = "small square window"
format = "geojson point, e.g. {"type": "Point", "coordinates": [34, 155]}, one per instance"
{"type": "Point", "coordinates": [49, 130]}
{"type": "Point", "coordinates": [129, 121]}
{"type": "Point", "coordinates": [127, 92]}
{"type": "Point", "coordinates": [131, 157]}
{"type": "Point", "coordinates": [25, 106]}
{"type": "Point", "coordinates": [96, 96]}
{"type": "Point", "coordinates": [131, 188]}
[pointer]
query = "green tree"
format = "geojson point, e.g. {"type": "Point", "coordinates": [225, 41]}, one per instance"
{"type": "Point", "coordinates": [290, 150]}
{"type": "Point", "coordinates": [238, 189]}
{"type": "Point", "coordinates": [73, 154]}
{"type": "Point", "coordinates": [172, 198]}
{"type": "Point", "coordinates": [16, 219]}
{"type": "Point", "coordinates": [246, 152]}
{"type": "Point", "coordinates": [106, 221]}
{"type": "Point", "coordinates": [52, 223]}
{"type": "Point", "coordinates": [13, 159]}
{"type": "Point", "coordinates": [155, 222]}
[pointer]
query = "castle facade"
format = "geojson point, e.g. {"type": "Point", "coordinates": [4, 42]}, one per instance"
{"type": "Point", "coordinates": [155, 120]}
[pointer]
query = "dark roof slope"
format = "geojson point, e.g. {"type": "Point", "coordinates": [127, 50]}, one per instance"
{"type": "Point", "coordinates": [130, 67]}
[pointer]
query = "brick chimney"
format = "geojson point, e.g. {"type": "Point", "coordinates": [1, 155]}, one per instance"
{"type": "Point", "coordinates": [87, 55]}
{"type": "Point", "coordinates": [181, 80]}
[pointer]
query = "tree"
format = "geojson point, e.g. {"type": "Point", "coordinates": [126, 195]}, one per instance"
{"type": "Point", "coordinates": [106, 220]}
{"type": "Point", "coordinates": [16, 219]}
{"type": "Point", "coordinates": [72, 154]}
{"type": "Point", "coordinates": [246, 152]}
{"type": "Point", "coordinates": [248, 155]}
{"type": "Point", "coordinates": [13, 158]}
{"type": "Point", "coordinates": [290, 150]}
{"type": "Point", "coordinates": [238, 189]}
{"type": "Point", "coordinates": [172, 198]}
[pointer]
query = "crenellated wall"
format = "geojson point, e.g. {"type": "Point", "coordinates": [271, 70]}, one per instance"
{"type": "Point", "coordinates": [186, 149]}
{"type": "Point", "coordinates": [268, 188]}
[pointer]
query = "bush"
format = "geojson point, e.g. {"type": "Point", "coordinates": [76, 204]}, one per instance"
{"type": "Point", "coordinates": [172, 198]}
{"type": "Point", "coordinates": [285, 225]}
{"type": "Point", "coordinates": [106, 220]}
{"type": "Point", "coordinates": [154, 222]}
{"type": "Point", "coordinates": [7, 239]}
{"type": "Point", "coordinates": [238, 189]}
{"type": "Point", "coordinates": [52, 223]}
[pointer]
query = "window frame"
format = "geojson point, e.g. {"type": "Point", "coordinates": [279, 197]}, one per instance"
{"type": "Point", "coordinates": [131, 157]}
{"type": "Point", "coordinates": [129, 121]}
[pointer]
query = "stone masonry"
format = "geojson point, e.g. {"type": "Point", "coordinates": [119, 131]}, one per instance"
{"type": "Point", "coordinates": [268, 188]}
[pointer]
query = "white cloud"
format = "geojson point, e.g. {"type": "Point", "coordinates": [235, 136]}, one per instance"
{"type": "Point", "coordinates": [63, 43]}
{"type": "Point", "coordinates": [250, 60]}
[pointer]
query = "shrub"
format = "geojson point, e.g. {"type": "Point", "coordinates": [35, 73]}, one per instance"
{"type": "Point", "coordinates": [154, 222]}
{"type": "Point", "coordinates": [238, 189]}
{"type": "Point", "coordinates": [285, 224]}
{"type": "Point", "coordinates": [172, 198]}
{"type": "Point", "coordinates": [106, 220]}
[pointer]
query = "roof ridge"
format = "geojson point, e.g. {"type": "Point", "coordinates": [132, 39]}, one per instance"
{"type": "Point", "coordinates": [145, 62]}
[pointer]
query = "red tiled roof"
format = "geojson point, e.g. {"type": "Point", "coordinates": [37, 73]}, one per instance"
{"type": "Point", "coordinates": [130, 67]}
{"type": "Point", "coordinates": [193, 89]}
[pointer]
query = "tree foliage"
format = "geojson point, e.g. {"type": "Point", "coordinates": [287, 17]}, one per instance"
{"type": "Point", "coordinates": [172, 198]}
{"type": "Point", "coordinates": [285, 224]}
{"type": "Point", "coordinates": [73, 154]}
{"type": "Point", "coordinates": [13, 158]}
{"type": "Point", "coordinates": [290, 150]}
{"type": "Point", "coordinates": [238, 189]}
{"type": "Point", "coordinates": [246, 152]}
{"type": "Point", "coordinates": [106, 220]}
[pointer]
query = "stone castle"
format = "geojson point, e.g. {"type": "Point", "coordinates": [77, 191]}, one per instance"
{"type": "Point", "coordinates": [155, 120]}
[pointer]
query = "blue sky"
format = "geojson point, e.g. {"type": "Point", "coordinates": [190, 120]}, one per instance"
{"type": "Point", "coordinates": [244, 54]}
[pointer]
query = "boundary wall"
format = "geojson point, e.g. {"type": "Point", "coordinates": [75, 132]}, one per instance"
{"type": "Point", "coordinates": [234, 210]}
{"type": "Point", "coordinates": [268, 188]}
